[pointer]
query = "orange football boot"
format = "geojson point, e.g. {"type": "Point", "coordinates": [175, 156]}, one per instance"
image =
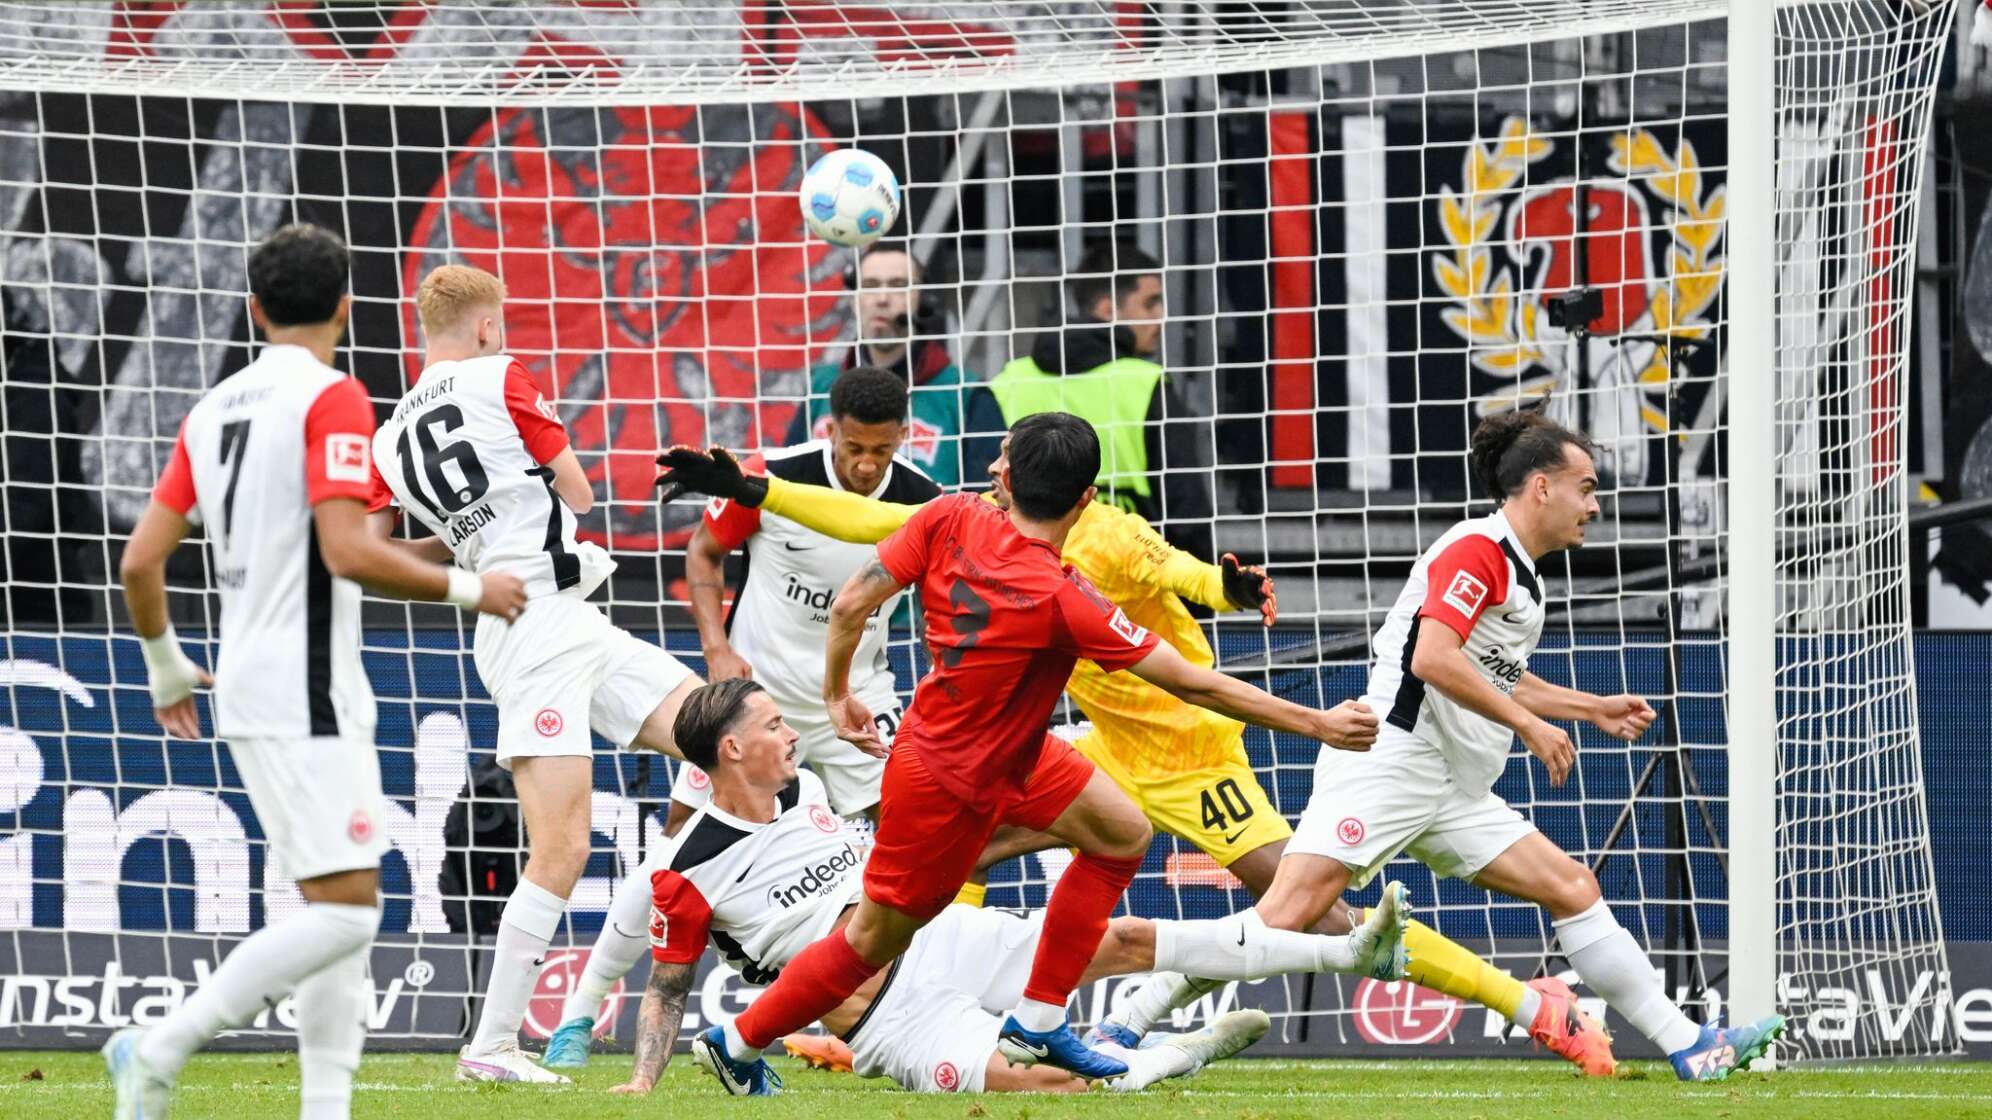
{"type": "Point", "coordinates": [1562, 1027]}
{"type": "Point", "coordinates": [824, 1051]}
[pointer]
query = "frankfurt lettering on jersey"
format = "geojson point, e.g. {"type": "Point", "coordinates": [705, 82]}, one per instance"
{"type": "Point", "coordinates": [467, 453]}
{"type": "Point", "coordinates": [782, 616]}
{"type": "Point", "coordinates": [1476, 566]}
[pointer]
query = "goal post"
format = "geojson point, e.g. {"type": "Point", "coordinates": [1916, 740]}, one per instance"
{"type": "Point", "coordinates": [1753, 482]}
{"type": "Point", "coordinates": [1685, 226]}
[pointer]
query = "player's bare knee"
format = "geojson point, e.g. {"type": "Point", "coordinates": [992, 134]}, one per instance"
{"type": "Point", "coordinates": [879, 934]}
{"type": "Point", "coordinates": [1575, 891]}
{"type": "Point", "coordinates": [557, 857]}
{"type": "Point", "coordinates": [1128, 947]}
{"type": "Point", "coordinates": [1303, 892]}
{"type": "Point", "coordinates": [1126, 837]}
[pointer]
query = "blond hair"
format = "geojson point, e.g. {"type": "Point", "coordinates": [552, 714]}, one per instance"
{"type": "Point", "coordinates": [453, 291]}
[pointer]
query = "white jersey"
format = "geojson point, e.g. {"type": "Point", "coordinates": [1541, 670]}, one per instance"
{"type": "Point", "coordinates": [255, 454]}
{"type": "Point", "coordinates": [781, 618]}
{"type": "Point", "coordinates": [466, 452]}
{"type": "Point", "coordinates": [761, 892]}
{"type": "Point", "coordinates": [1478, 580]}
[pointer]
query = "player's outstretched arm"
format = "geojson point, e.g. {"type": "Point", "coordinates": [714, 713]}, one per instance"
{"type": "Point", "coordinates": [1624, 716]}
{"type": "Point", "coordinates": [169, 672]}
{"type": "Point", "coordinates": [657, 1022]}
{"type": "Point", "coordinates": [1349, 726]}
{"type": "Point", "coordinates": [352, 551]}
{"type": "Point", "coordinates": [863, 594]}
{"type": "Point", "coordinates": [1440, 661]}
{"type": "Point", "coordinates": [834, 513]}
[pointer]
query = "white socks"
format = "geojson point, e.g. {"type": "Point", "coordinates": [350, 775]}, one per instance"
{"type": "Point", "coordinates": [625, 935]}
{"type": "Point", "coordinates": [1243, 947]}
{"type": "Point", "coordinates": [1037, 1015]}
{"type": "Point", "coordinates": [1146, 1067]}
{"type": "Point", "coordinates": [1610, 961]}
{"type": "Point", "coordinates": [1157, 996]}
{"type": "Point", "coordinates": [1529, 1008]}
{"type": "Point", "coordinates": [332, 1006]}
{"type": "Point", "coordinates": [261, 971]}
{"type": "Point", "coordinates": [531, 917]}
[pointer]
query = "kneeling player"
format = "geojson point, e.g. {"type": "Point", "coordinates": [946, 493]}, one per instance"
{"type": "Point", "coordinates": [477, 454]}
{"type": "Point", "coordinates": [766, 868]}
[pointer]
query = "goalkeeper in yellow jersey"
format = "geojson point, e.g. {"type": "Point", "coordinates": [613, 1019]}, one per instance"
{"type": "Point", "coordinates": [1186, 767]}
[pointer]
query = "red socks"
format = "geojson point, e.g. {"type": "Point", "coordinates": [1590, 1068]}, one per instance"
{"type": "Point", "coordinates": [1074, 922]}
{"type": "Point", "coordinates": [819, 979]}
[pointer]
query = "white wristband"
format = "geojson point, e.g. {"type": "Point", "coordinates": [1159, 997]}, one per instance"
{"type": "Point", "coordinates": [466, 589]}
{"type": "Point", "coordinates": [170, 674]}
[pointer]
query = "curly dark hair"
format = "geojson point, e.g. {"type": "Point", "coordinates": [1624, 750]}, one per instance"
{"type": "Point", "coordinates": [298, 274]}
{"type": "Point", "coordinates": [1510, 446]}
{"type": "Point", "coordinates": [869, 395]}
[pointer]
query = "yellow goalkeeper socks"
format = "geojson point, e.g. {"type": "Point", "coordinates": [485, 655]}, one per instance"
{"type": "Point", "coordinates": [972, 894]}
{"type": "Point", "coordinates": [1444, 965]}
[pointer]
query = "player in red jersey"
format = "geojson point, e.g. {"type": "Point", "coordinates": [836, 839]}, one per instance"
{"type": "Point", "coordinates": [1006, 620]}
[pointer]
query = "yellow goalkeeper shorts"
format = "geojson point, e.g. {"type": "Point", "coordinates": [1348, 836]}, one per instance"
{"type": "Point", "coordinates": [1221, 809]}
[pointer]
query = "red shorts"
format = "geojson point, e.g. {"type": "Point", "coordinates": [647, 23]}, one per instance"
{"type": "Point", "coordinates": [928, 839]}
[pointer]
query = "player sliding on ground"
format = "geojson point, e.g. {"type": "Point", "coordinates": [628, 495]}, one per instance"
{"type": "Point", "coordinates": [1005, 622]}
{"type": "Point", "coordinates": [766, 867]}
{"type": "Point", "coordinates": [1451, 671]}
{"type": "Point", "coordinates": [274, 462]}
{"type": "Point", "coordinates": [774, 634]}
{"type": "Point", "coordinates": [1183, 765]}
{"type": "Point", "coordinates": [476, 454]}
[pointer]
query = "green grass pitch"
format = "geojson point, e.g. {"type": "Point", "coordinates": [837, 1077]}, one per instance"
{"type": "Point", "coordinates": [71, 1086]}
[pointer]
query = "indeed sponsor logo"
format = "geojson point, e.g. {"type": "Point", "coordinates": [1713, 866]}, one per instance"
{"type": "Point", "coordinates": [815, 879]}
{"type": "Point", "coordinates": [1505, 674]}
{"type": "Point", "coordinates": [815, 598]}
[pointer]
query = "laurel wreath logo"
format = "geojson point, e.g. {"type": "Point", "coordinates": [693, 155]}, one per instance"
{"type": "Point", "coordinates": [1504, 329]}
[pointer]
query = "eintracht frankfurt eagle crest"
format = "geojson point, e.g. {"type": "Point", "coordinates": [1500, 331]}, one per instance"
{"type": "Point", "coordinates": [1652, 241]}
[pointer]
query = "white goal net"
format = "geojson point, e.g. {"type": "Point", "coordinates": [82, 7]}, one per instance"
{"type": "Point", "coordinates": [1374, 222]}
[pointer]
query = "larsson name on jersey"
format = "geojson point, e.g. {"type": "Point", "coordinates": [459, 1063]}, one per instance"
{"type": "Point", "coordinates": [469, 522]}
{"type": "Point", "coordinates": [816, 878]}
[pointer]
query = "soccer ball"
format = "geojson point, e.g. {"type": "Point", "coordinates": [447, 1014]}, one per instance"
{"type": "Point", "coordinates": [850, 198]}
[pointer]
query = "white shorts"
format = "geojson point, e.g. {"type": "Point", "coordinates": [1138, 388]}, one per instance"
{"type": "Point", "coordinates": [318, 800]}
{"type": "Point", "coordinates": [1399, 796]}
{"type": "Point", "coordinates": [933, 1026]}
{"type": "Point", "coordinates": [564, 668]}
{"type": "Point", "coordinates": [850, 776]}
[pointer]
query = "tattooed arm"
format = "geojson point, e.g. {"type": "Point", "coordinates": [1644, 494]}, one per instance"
{"type": "Point", "coordinates": [657, 1024]}
{"type": "Point", "coordinates": [863, 594]}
